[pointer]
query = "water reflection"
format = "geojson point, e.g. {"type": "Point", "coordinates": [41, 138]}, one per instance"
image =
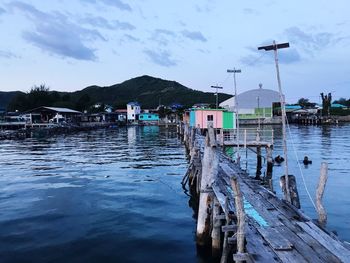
{"type": "Point", "coordinates": [100, 196]}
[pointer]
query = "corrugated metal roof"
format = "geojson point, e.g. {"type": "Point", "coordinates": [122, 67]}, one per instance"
{"type": "Point", "coordinates": [57, 109]}
{"type": "Point", "coordinates": [62, 110]}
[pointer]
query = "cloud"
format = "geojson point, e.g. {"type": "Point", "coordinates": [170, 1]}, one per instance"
{"type": "Point", "coordinates": [115, 3]}
{"type": "Point", "coordinates": [2, 11]}
{"type": "Point", "coordinates": [131, 38]}
{"type": "Point", "coordinates": [303, 45]}
{"type": "Point", "coordinates": [7, 54]}
{"type": "Point", "coordinates": [55, 34]}
{"type": "Point", "coordinates": [101, 22]}
{"type": "Point", "coordinates": [194, 35]}
{"type": "Point", "coordinates": [250, 11]}
{"type": "Point", "coordinates": [162, 58]}
{"type": "Point", "coordinates": [163, 36]}
{"type": "Point", "coordinates": [309, 41]}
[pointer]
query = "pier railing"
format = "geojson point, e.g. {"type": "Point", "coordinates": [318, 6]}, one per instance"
{"type": "Point", "coordinates": [245, 137]}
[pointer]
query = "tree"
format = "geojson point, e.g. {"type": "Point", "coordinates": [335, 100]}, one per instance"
{"type": "Point", "coordinates": [305, 103]}
{"type": "Point", "coordinates": [83, 102]}
{"type": "Point", "coordinates": [326, 104]}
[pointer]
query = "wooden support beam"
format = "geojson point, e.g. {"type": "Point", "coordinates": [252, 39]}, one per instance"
{"type": "Point", "coordinates": [322, 215]}
{"type": "Point", "coordinates": [269, 168]}
{"type": "Point", "coordinates": [258, 163]}
{"type": "Point", "coordinates": [226, 247]}
{"type": "Point", "coordinates": [294, 195]}
{"type": "Point", "coordinates": [240, 216]}
{"type": "Point", "coordinates": [229, 228]}
{"type": "Point", "coordinates": [216, 233]}
{"type": "Point", "coordinates": [210, 167]}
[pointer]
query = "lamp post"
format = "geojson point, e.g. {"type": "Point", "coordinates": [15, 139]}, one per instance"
{"type": "Point", "coordinates": [234, 71]}
{"type": "Point", "coordinates": [275, 47]}
{"type": "Point", "coordinates": [217, 94]}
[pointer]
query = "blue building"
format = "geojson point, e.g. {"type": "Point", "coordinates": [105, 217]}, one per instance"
{"type": "Point", "coordinates": [148, 117]}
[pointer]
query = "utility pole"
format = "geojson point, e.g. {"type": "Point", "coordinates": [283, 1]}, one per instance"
{"type": "Point", "coordinates": [217, 94]}
{"type": "Point", "coordinates": [275, 47]}
{"type": "Point", "coordinates": [258, 99]}
{"type": "Point", "coordinates": [234, 71]}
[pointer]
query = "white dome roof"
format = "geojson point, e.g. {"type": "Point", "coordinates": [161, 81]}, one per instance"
{"type": "Point", "coordinates": [249, 99]}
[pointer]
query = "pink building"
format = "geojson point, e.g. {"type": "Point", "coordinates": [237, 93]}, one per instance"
{"type": "Point", "coordinates": [218, 118]}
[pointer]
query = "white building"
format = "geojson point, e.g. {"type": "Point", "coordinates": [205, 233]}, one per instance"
{"type": "Point", "coordinates": [133, 110]}
{"type": "Point", "coordinates": [253, 104]}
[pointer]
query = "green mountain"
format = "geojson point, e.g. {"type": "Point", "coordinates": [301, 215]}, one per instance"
{"type": "Point", "coordinates": [7, 97]}
{"type": "Point", "coordinates": [149, 92]}
{"type": "Point", "coordinates": [146, 90]}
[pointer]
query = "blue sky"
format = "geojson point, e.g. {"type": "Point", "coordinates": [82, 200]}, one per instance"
{"type": "Point", "coordinates": [71, 44]}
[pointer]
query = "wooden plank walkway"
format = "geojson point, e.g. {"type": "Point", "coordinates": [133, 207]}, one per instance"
{"type": "Point", "coordinates": [275, 230]}
{"type": "Point", "coordinates": [286, 234]}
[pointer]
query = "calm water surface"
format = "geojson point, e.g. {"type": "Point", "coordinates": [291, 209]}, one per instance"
{"type": "Point", "coordinates": [115, 195]}
{"type": "Point", "coordinates": [103, 196]}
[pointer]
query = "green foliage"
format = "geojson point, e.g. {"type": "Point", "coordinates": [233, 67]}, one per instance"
{"type": "Point", "coordinates": [339, 112]}
{"type": "Point", "coordinates": [343, 101]}
{"type": "Point", "coordinates": [305, 103]}
{"type": "Point", "coordinates": [146, 90]}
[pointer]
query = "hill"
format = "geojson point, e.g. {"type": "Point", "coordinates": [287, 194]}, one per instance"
{"type": "Point", "coordinates": [146, 90]}
{"type": "Point", "coordinates": [6, 97]}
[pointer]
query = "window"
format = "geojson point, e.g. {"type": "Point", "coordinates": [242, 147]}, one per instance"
{"type": "Point", "coordinates": [132, 107]}
{"type": "Point", "coordinates": [132, 115]}
{"type": "Point", "coordinates": [149, 116]}
{"type": "Point", "coordinates": [210, 117]}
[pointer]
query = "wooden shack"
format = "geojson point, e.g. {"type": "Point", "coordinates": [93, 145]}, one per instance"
{"type": "Point", "coordinates": [217, 118]}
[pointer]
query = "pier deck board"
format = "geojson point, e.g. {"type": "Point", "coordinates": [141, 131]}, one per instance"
{"type": "Point", "coordinates": [276, 231]}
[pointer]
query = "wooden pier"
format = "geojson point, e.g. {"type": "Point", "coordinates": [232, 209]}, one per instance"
{"type": "Point", "coordinates": [243, 221]}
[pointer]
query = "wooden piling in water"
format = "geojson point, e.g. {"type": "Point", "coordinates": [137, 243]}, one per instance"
{"type": "Point", "coordinates": [210, 164]}
{"type": "Point", "coordinates": [216, 229]}
{"type": "Point", "coordinates": [240, 220]}
{"type": "Point", "coordinates": [258, 163]}
{"type": "Point", "coordinates": [294, 195]}
{"type": "Point", "coordinates": [322, 215]}
{"type": "Point", "coordinates": [269, 168]}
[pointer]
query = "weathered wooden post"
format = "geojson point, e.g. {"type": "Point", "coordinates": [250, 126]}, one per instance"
{"type": "Point", "coordinates": [226, 248]}
{"type": "Point", "coordinates": [240, 255]}
{"type": "Point", "coordinates": [258, 157]}
{"type": "Point", "coordinates": [269, 167]}
{"type": "Point", "coordinates": [216, 232]}
{"type": "Point", "coordinates": [258, 163]}
{"type": "Point", "coordinates": [322, 215]}
{"type": "Point", "coordinates": [294, 196]}
{"type": "Point", "coordinates": [210, 164]}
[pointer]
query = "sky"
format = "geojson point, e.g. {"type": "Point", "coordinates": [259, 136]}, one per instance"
{"type": "Point", "coordinates": [71, 44]}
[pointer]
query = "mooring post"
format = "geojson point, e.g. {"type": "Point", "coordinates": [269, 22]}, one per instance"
{"type": "Point", "coordinates": [216, 232]}
{"type": "Point", "coordinates": [226, 247]}
{"type": "Point", "coordinates": [269, 167]}
{"type": "Point", "coordinates": [322, 215]}
{"type": "Point", "coordinates": [240, 217]}
{"type": "Point", "coordinates": [210, 164]}
{"type": "Point", "coordinates": [258, 163]}
{"type": "Point", "coordinates": [294, 195]}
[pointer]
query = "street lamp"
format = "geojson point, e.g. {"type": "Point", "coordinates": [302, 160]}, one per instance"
{"type": "Point", "coordinates": [217, 94]}
{"type": "Point", "coordinates": [234, 71]}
